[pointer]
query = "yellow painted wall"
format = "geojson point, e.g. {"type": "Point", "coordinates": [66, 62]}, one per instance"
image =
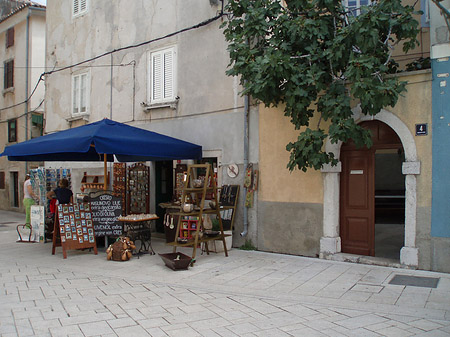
{"type": "Point", "coordinates": [415, 108]}
{"type": "Point", "coordinates": [278, 184]}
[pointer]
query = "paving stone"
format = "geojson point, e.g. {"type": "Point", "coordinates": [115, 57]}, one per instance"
{"type": "Point", "coordinates": [361, 321]}
{"type": "Point", "coordinates": [240, 329]}
{"type": "Point", "coordinates": [357, 296]}
{"type": "Point", "coordinates": [224, 332]}
{"type": "Point", "coordinates": [393, 331]}
{"type": "Point", "coordinates": [209, 323]}
{"type": "Point", "coordinates": [7, 328]}
{"type": "Point", "coordinates": [207, 333]}
{"type": "Point", "coordinates": [156, 332]}
{"type": "Point", "coordinates": [176, 326]}
{"type": "Point", "coordinates": [367, 288]}
{"type": "Point", "coordinates": [64, 331]}
{"type": "Point", "coordinates": [426, 325]}
{"type": "Point", "coordinates": [96, 328]}
{"type": "Point", "coordinates": [246, 294]}
{"type": "Point", "coordinates": [85, 319]}
{"type": "Point", "coordinates": [31, 295]}
{"type": "Point", "coordinates": [306, 332]}
{"type": "Point", "coordinates": [41, 324]}
{"type": "Point", "coordinates": [153, 323]}
{"type": "Point", "coordinates": [333, 333]}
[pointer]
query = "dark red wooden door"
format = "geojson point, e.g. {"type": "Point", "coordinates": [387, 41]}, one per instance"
{"type": "Point", "coordinates": [357, 208]}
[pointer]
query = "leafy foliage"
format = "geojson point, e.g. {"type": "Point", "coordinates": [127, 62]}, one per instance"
{"type": "Point", "coordinates": [315, 55]}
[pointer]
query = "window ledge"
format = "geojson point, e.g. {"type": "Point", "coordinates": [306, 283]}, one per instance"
{"type": "Point", "coordinates": [8, 90]}
{"type": "Point", "coordinates": [169, 104]}
{"type": "Point", "coordinates": [78, 117]}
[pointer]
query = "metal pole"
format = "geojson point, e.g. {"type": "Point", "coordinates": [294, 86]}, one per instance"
{"type": "Point", "coordinates": [105, 172]}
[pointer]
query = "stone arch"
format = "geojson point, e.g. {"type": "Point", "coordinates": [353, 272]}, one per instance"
{"type": "Point", "coordinates": [330, 243]}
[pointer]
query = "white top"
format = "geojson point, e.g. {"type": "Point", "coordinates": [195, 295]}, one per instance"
{"type": "Point", "coordinates": [26, 194]}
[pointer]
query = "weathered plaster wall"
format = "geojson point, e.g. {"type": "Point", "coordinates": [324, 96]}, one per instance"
{"type": "Point", "coordinates": [209, 111]}
{"type": "Point", "coordinates": [290, 203]}
{"type": "Point", "coordinates": [19, 92]}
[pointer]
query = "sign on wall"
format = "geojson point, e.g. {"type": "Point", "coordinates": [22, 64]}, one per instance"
{"type": "Point", "coordinates": [421, 129]}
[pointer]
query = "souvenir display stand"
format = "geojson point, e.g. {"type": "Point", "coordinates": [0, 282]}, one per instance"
{"type": "Point", "coordinates": [138, 228]}
{"type": "Point", "coordinates": [93, 182]}
{"type": "Point", "coordinates": [73, 228]}
{"type": "Point", "coordinates": [192, 191]}
{"type": "Point", "coordinates": [138, 189]}
{"type": "Point", "coordinates": [229, 195]}
{"type": "Point", "coordinates": [180, 176]}
{"type": "Point", "coordinates": [120, 183]}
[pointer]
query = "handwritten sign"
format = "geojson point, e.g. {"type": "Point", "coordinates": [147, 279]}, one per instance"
{"type": "Point", "coordinates": [106, 209]}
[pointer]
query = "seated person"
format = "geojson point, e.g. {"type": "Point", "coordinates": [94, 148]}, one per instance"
{"type": "Point", "coordinates": [63, 194]}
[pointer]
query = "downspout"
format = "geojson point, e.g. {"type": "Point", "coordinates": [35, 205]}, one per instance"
{"type": "Point", "coordinates": [26, 79]}
{"type": "Point", "coordinates": [246, 143]}
{"type": "Point", "coordinates": [27, 61]}
{"type": "Point", "coordinates": [111, 89]}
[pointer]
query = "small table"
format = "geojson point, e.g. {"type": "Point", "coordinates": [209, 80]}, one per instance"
{"type": "Point", "coordinates": [139, 230]}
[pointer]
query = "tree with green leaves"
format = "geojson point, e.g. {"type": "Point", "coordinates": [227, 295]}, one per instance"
{"type": "Point", "coordinates": [315, 57]}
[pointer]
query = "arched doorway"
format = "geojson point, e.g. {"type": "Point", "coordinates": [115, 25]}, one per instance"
{"type": "Point", "coordinates": [330, 242]}
{"type": "Point", "coordinates": [372, 195]}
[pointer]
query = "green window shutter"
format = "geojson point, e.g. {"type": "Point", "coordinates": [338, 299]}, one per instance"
{"type": "Point", "coordinates": [37, 119]}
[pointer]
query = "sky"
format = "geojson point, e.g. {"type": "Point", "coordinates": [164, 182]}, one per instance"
{"type": "Point", "coordinates": [43, 2]}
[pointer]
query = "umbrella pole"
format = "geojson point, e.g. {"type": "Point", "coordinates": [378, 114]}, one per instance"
{"type": "Point", "coordinates": [105, 173]}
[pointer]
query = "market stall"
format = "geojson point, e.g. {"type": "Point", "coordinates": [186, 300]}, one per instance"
{"type": "Point", "coordinates": [104, 141]}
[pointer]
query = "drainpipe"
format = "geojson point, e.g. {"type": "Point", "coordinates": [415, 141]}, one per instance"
{"type": "Point", "coordinates": [111, 89]}
{"type": "Point", "coordinates": [246, 143]}
{"type": "Point", "coordinates": [27, 61]}
{"type": "Point", "coordinates": [27, 42]}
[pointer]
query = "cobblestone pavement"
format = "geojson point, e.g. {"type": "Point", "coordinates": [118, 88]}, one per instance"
{"type": "Point", "coordinates": [245, 294]}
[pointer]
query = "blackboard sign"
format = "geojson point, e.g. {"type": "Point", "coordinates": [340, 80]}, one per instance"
{"type": "Point", "coordinates": [106, 209]}
{"type": "Point", "coordinates": [73, 228]}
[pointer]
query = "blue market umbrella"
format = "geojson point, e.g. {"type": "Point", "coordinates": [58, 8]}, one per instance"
{"type": "Point", "coordinates": [101, 141]}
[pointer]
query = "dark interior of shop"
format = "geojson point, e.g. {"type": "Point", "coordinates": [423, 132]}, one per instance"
{"type": "Point", "coordinates": [389, 203]}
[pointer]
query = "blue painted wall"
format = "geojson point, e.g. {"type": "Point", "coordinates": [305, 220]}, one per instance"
{"type": "Point", "coordinates": [440, 209]}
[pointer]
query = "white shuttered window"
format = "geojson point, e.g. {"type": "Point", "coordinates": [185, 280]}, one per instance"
{"type": "Point", "coordinates": [354, 6]}
{"type": "Point", "coordinates": [162, 75]}
{"type": "Point", "coordinates": [80, 95]}
{"type": "Point", "coordinates": [79, 7]}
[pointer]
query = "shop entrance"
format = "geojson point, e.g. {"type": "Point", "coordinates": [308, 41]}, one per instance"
{"type": "Point", "coordinates": [372, 195]}
{"type": "Point", "coordinates": [163, 189]}
{"type": "Point", "coordinates": [14, 179]}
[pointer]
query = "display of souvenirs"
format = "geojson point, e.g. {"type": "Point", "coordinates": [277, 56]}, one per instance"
{"type": "Point", "coordinates": [213, 175]}
{"type": "Point", "coordinates": [137, 217]}
{"type": "Point", "coordinates": [138, 184]}
{"type": "Point", "coordinates": [180, 178]}
{"type": "Point", "coordinates": [37, 177]}
{"type": "Point", "coordinates": [93, 182]}
{"type": "Point", "coordinates": [53, 176]}
{"type": "Point", "coordinates": [119, 182]}
{"type": "Point", "coordinates": [44, 180]}
{"type": "Point", "coordinates": [75, 224]}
